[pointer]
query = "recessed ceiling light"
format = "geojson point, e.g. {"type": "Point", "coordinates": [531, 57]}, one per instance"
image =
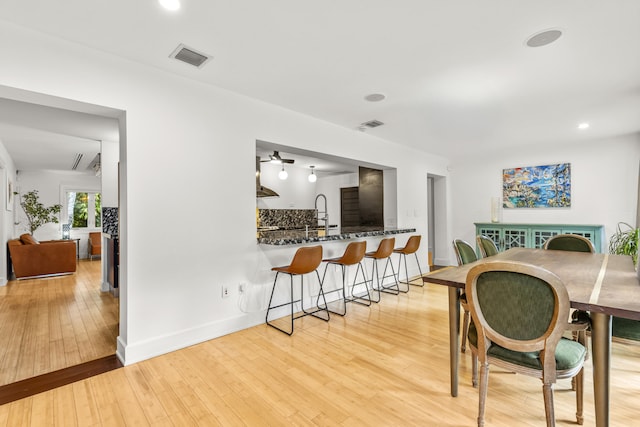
{"type": "Point", "coordinates": [170, 4]}
{"type": "Point", "coordinates": [375, 97]}
{"type": "Point", "coordinates": [543, 38]}
{"type": "Point", "coordinates": [584, 125]}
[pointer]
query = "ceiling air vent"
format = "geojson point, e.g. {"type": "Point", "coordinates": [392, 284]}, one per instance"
{"type": "Point", "coordinates": [190, 56]}
{"type": "Point", "coordinates": [76, 160]}
{"type": "Point", "coordinates": [373, 123]}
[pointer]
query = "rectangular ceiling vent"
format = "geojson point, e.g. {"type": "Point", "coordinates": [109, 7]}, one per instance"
{"type": "Point", "coordinates": [76, 161]}
{"type": "Point", "coordinates": [373, 123]}
{"type": "Point", "coordinates": [190, 56]}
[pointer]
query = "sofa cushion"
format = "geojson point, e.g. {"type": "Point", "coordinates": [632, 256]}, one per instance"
{"type": "Point", "coordinates": [28, 239]}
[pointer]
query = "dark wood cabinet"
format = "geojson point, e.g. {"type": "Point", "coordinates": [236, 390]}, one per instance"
{"type": "Point", "coordinates": [371, 197]}
{"type": "Point", "coordinates": [349, 207]}
{"type": "Point", "coordinates": [113, 264]}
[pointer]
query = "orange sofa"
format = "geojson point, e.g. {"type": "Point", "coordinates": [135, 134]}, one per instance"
{"type": "Point", "coordinates": [31, 258]}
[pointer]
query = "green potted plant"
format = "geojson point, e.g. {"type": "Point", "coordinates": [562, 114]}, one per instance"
{"type": "Point", "coordinates": [625, 241]}
{"type": "Point", "coordinates": [37, 214]}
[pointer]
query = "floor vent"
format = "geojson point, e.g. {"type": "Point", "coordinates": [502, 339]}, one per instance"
{"type": "Point", "coordinates": [190, 56]}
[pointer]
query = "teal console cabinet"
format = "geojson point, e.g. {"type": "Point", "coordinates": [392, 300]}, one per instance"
{"type": "Point", "coordinates": [510, 235]}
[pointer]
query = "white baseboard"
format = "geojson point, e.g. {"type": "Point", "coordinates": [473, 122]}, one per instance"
{"type": "Point", "coordinates": [137, 352]}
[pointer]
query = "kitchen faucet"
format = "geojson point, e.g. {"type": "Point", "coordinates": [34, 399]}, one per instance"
{"type": "Point", "coordinates": [325, 218]}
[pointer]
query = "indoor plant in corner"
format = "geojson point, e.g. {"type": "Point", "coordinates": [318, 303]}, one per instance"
{"type": "Point", "coordinates": [625, 241]}
{"type": "Point", "coordinates": [37, 214]}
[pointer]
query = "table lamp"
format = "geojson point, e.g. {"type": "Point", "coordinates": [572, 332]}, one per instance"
{"type": "Point", "coordinates": [66, 231]}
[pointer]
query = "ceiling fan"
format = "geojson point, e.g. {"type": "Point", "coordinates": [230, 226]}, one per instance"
{"type": "Point", "coordinates": [275, 158]}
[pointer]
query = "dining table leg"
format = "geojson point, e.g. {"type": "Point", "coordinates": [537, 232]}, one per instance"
{"type": "Point", "coordinates": [454, 329]}
{"type": "Point", "coordinates": [601, 352]}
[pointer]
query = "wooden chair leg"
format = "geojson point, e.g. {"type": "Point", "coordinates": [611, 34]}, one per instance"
{"type": "Point", "coordinates": [474, 370]}
{"type": "Point", "coordinates": [547, 391]}
{"type": "Point", "coordinates": [484, 380]}
{"type": "Point", "coordinates": [465, 331]}
{"type": "Point", "coordinates": [579, 396]}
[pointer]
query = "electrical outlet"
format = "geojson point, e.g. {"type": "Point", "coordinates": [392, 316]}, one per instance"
{"type": "Point", "coordinates": [241, 287]}
{"type": "Point", "coordinates": [225, 291]}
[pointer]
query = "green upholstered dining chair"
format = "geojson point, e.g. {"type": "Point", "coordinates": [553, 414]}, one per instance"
{"type": "Point", "coordinates": [575, 243]}
{"type": "Point", "coordinates": [622, 330]}
{"type": "Point", "coordinates": [519, 314]}
{"type": "Point", "coordinates": [625, 330]}
{"type": "Point", "coordinates": [569, 242]}
{"type": "Point", "coordinates": [487, 246]}
{"type": "Point", "coordinates": [464, 254]}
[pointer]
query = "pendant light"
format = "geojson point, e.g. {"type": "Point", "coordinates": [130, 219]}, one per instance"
{"type": "Point", "coordinates": [312, 177]}
{"type": "Point", "coordinates": [283, 173]}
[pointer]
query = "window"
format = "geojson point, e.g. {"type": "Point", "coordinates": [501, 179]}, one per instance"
{"type": "Point", "coordinates": [84, 209]}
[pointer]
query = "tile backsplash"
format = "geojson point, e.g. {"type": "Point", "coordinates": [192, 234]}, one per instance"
{"type": "Point", "coordinates": [287, 219]}
{"type": "Point", "coordinates": [110, 221]}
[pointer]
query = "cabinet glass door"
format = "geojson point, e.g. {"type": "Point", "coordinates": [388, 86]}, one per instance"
{"type": "Point", "coordinates": [514, 238]}
{"type": "Point", "coordinates": [540, 237]}
{"type": "Point", "coordinates": [493, 234]}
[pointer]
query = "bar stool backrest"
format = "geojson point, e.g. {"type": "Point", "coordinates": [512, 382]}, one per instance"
{"type": "Point", "coordinates": [412, 246]}
{"type": "Point", "coordinates": [354, 253]}
{"type": "Point", "coordinates": [306, 260]}
{"type": "Point", "coordinates": [385, 248]}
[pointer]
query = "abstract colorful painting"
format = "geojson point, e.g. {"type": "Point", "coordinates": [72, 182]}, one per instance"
{"type": "Point", "coordinates": [546, 186]}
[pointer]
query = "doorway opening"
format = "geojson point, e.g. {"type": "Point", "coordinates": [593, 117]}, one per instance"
{"type": "Point", "coordinates": [26, 114]}
{"type": "Point", "coordinates": [437, 221]}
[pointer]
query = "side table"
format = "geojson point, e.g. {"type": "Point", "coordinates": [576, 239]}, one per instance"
{"type": "Point", "coordinates": [77, 247]}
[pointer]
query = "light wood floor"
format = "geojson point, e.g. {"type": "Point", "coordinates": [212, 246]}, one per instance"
{"type": "Point", "coordinates": [381, 366]}
{"type": "Point", "coordinates": [53, 323]}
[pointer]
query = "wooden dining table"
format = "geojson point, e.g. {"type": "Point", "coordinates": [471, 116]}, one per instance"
{"type": "Point", "coordinates": [605, 285]}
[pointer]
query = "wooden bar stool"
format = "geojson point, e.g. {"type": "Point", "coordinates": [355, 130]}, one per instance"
{"type": "Point", "coordinates": [384, 251]}
{"type": "Point", "coordinates": [353, 255]}
{"type": "Point", "coordinates": [411, 247]}
{"type": "Point", "coordinates": [306, 260]}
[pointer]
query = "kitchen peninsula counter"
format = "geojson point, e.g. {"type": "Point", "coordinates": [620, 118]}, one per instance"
{"type": "Point", "coordinates": [296, 237]}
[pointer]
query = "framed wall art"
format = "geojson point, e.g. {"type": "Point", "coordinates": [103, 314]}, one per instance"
{"type": "Point", "coordinates": [10, 190]}
{"type": "Point", "coordinates": [547, 186]}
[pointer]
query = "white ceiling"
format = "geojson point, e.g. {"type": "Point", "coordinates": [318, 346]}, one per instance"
{"type": "Point", "coordinates": [43, 137]}
{"type": "Point", "coordinates": [457, 75]}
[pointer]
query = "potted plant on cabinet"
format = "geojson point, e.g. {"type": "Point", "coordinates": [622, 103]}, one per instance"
{"type": "Point", "coordinates": [625, 241]}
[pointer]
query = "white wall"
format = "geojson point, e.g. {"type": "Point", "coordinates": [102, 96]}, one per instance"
{"type": "Point", "coordinates": [604, 180]}
{"type": "Point", "coordinates": [187, 220]}
{"type": "Point", "coordinates": [51, 188]}
{"type": "Point", "coordinates": [390, 185]}
{"type": "Point", "coordinates": [296, 192]}
{"type": "Point", "coordinates": [7, 173]}
{"type": "Point", "coordinates": [109, 155]}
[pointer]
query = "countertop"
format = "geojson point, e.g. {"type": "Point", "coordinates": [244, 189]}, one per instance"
{"type": "Point", "coordinates": [295, 237]}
